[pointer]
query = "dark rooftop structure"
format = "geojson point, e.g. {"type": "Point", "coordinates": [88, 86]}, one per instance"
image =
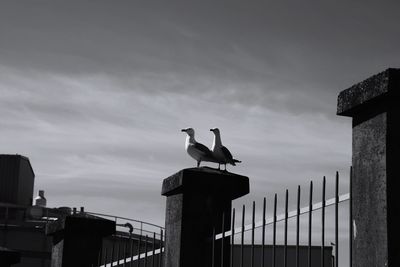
{"type": "Point", "coordinates": [16, 180]}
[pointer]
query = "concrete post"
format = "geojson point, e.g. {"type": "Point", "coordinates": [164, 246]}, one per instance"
{"type": "Point", "coordinates": [374, 105]}
{"type": "Point", "coordinates": [196, 200]}
{"type": "Point", "coordinates": [77, 240]}
{"type": "Point", "coordinates": [9, 257]}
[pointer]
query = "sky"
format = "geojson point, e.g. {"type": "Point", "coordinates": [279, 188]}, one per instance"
{"type": "Point", "coordinates": [95, 92]}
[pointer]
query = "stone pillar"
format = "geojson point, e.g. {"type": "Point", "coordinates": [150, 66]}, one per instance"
{"type": "Point", "coordinates": [374, 105]}
{"type": "Point", "coordinates": [9, 257]}
{"type": "Point", "coordinates": [196, 200]}
{"type": "Point", "coordinates": [77, 240]}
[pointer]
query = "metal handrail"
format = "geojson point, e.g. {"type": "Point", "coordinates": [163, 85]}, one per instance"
{"type": "Point", "coordinates": [124, 218]}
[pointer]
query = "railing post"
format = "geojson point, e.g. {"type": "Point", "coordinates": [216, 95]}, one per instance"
{"type": "Point", "coordinates": [196, 200]}
{"type": "Point", "coordinates": [77, 239]}
{"type": "Point", "coordinates": [374, 105]}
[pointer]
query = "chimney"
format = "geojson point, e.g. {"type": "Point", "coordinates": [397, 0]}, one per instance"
{"type": "Point", "coordinates": [40, 200]}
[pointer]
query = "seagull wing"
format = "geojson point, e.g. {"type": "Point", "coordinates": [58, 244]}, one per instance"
{"type": "Point", "coordinates": [202, 148]}
{"type": "Point", "coordinates": [227, 154]}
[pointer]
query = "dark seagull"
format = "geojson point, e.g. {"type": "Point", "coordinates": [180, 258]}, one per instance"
{"type": "Point", "coordinates": [221, 153]}
{"type": "Point", "coordinates": [196, 150]}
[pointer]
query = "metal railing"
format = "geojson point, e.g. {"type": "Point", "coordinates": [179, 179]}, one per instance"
{"type": "Point", "coordinates": [220, 241]}
{"type": "Point", "coordinates": [144, 251]}
{"type": "Point", "coordinates": [134, 226]}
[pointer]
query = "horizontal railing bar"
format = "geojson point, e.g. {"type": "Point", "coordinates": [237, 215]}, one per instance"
{"type": "Point", "coordinates": [123, 218]}
{"type": "Point", "coordinates": [134, 258]}
{"type": "Point", "coordinates": [281, 217]}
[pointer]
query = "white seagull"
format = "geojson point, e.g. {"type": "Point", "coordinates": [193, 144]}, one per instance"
{"type": "Point", "coordinates": [221, 153]}
{"type": "Point", "coordinates": [196, 150]}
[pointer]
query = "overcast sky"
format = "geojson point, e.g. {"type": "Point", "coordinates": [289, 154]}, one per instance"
{"type": "Point", "coordinates": [95, 92]}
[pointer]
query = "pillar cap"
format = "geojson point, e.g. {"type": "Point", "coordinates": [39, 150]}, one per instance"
{"type": "Point", "coordinates": [206, 180]}
{"type": "Point", "coordinates": [81, 224]}
{"type": "Point", "coordinates": [378, 88]}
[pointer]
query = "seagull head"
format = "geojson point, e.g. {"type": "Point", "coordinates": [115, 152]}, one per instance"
{"type": "Point", "coordinates": [189, 131]}
{"type": "Point", "coordinates": [215, 130]}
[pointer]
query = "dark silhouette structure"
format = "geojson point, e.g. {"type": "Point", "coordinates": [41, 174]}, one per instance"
{"type": "Point", "coordinates": [16, 180]}
{"type": "Point", "coordinates": [196, 200]}
{"type": "Point", "coordinates": [9, 257]}
{"type": "Point", "coordinates": [374, 105]}
{"type": "Point", "coordinates": [77, 239]}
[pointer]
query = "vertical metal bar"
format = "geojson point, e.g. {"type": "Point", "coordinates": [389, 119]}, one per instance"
{"type": "Point", "coordinates": [310, 207]}
{"type": "Point", "coordinates": [153, 258]}
{"type": "Point", "coordinates": [253, 217]}
{"type": "Point", "coordinates": [100, 256]}
{"type": "Point", "coordinates": [232, 236]}
{"type": "Point", "coordinates": [223, 239]}
{"type": "Point", "coordinates": [98, 259]}
{"type": "Point", "coordinates": [298, 226]}
{"type": "Point", "coordinates": [131, 243]}
{"type": "Point", "coordinates": [274, 234]}
{"type": "Point", "coordinates": [263, 233]}
{"type": "Point", "coordinates": [213, 249]}
{"type": "Point", "coordinates": [125, 250]}
{"type": "Point", "coordinates": [113, 253]}
{"type": "Point", "coordinates": [242, 239]}
{"type": "Point", "coordinates": [138, 250]}
{"type": "Point", "coordinates": [323, 223]}
{"type": "Point", "coordinates": [351, 219]}
{"type": "Point", "coordinates": [337, 220]}
{"type": "Point", "coordinates": [145, 251]}
{"type": "Point", "coordinates": [47, 216]}
{"type": "Point", "coordinates": [105, 257]}
{"type": "Point", "coordinates": [118, 253]}
{"type": "Point", "coordinates": [161, 248]}
{"type": "Point", "coordinates": [286, 229]}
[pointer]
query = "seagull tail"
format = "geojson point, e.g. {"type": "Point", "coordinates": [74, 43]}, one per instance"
{"type": "Point", "coordinates": [236, 161]}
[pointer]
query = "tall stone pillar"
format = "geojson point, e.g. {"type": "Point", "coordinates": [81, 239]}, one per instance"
{"type": "Point", "coordinates": [196, 200]}
{"type": "Point", "coordinates": [374, 105]}
{"type": "Point", "coordinates": [77, 240]}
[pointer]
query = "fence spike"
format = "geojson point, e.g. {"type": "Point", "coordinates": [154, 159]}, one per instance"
{"type": "Point", "coordinates": [223, 239]}
{"type": "Point", "coordinates": [242, 239]}
{"type": "Point", "coordinates": [323, 223]}
{"type": "Point", "coordinates": [274, 234]}
{"type": "Point", "coordinates": [337, 220]}
{"type": "Point", "coordinates": [253, 217]}
{"type": "Point", "coordinates": [232, 237]}
{"type": "Point", "coordinates": [310, 224]}
{"type": "Point", "coordinates": [263, 233]}
{"type": "Point", "coordinates": [286, 229]}
{"type": "Point", "coordinates": [298, 226]}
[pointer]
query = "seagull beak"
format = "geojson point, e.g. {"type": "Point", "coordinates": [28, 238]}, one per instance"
{"type": "Point", "coordinates": [183, 130]}
{"type": "Point", "coordinates": [212, 130]}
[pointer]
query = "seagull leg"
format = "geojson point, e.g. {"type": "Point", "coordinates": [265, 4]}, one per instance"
{"type": "Point", "coordinates": [219, 166]}
{"type": "Point", "coordinates": [198, 163]}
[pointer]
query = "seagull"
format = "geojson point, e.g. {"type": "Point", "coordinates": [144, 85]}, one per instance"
{"type": "Point", "coordinates": [221, 153]}
{"type": "Point", "coordinates": [196, 150]}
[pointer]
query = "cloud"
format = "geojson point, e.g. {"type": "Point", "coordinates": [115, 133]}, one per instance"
{"type": "Point", "coordinates": [297, 55]}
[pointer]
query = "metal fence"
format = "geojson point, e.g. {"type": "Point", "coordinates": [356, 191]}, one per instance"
{"type": "Point", "coordinates": [139, 251]}
{"type": "Point", "coordinates": [135, 243]}
{"type": "Point", "coordinates": [231, 248]}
